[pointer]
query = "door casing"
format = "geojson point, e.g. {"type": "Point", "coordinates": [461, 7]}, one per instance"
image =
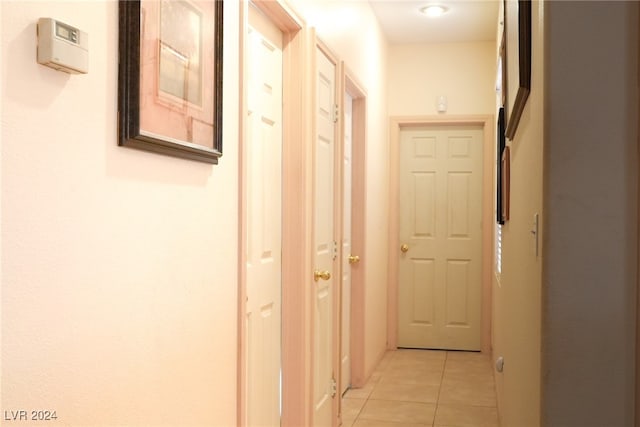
{"type": "Point", "coordinates": [355, 89]}
{"type": "Point", "coordinates": [296, 377]}
{"type": "Point", "coordinates": [346, 263]}
{"type": "Point", "coordinates": [396, 123]}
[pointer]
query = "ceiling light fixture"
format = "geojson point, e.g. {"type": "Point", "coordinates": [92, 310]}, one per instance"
{"type": "Point", "coordinates": [434, 10]}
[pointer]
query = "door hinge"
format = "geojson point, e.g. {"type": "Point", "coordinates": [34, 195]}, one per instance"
{"type": "Point", "coordinates": [335, 250]}
{"type": "Point", "coordinates": [336, 112]}
{"type": "Point", "coordinates": [334, 387]}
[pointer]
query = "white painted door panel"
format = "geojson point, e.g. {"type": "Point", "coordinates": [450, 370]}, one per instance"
{"type": "Point", "coordinates": [263, 174]}
{"type": "Point", "coordinates": [324, 246]}
{"type": "Point", "coordinates": [441, 223]}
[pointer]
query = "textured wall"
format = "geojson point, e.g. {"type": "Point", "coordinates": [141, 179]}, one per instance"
{"type": "Point", "coordinates": [118, 265]}
{"type": "Point", "coordinates": [463, 72]}
{"type": "Point", "coordinates": [590, 270]}
{"type": "Point", "coordinates": [518, 292]}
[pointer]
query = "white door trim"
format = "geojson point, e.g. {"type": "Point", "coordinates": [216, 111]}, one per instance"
{"type": "Point", "coordinates": [296, 379]}
{"type": "Point", "coordinates": [396, 123]}
{"type": "Point", "coordinates": [355, 89]}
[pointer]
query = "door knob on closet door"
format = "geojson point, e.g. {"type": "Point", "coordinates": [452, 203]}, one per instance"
{"type": "Point", "coordinates": [324, 275]}
{"type": "Point", "coordinates": [404, 248]}
{"type": "Point", "coordinates": [354, 259]}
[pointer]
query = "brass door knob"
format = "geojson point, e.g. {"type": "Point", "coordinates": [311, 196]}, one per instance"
{"type": "Point", "coordinates": [354, 259]}
{"type": "Point", "coordinates": [324, 275]}
{"type": "Point", "coordinates": [404, 248]}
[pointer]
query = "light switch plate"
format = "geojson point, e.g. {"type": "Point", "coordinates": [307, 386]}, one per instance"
{"type": "Point", "coordinates": [535, 234]}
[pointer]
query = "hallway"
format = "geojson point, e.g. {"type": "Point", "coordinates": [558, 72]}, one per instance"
{"type": "Point", "coordinates": [420, 388]}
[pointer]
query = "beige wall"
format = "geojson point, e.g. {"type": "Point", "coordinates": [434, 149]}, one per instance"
{"type": "Point", "coordinates": [351, 31]}
{"type": "Point", "coordinates": [463, 72]}
{"type": "Point", "coordinates": [589, 281]}
{"type": "Point", "coordinates": [565, 321]}
{"type": "Point", "coordinates": [118, 265]}
{"type": "Point", "coordinates": [517, 293]}
{"type": "Point", "coordinates": [119, 269]}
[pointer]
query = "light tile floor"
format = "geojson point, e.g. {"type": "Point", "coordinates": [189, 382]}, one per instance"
{"type": "Point", "coordinates": [420, 388]}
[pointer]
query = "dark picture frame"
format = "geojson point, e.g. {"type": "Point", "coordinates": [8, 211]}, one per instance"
{"type": "Point", "coordinates": [517, 22]}
{"type": "Point", "coordinates": [501, 75]}
{"type": "Point", "coordinates": [170, 77]}
{"type": "Point", "coordinates": [500, 146]}
{"type": "Point", "coordinates": [505, 182]}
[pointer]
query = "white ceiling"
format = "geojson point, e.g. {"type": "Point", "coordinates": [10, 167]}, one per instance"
{"type": "Point", "coordinates": [465, 21]}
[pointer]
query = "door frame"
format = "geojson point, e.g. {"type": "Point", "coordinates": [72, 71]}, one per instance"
{"type": "Point", "coordinates": [350, 84]}
{"type": "Point", "coordinates": [296, 190]}
{"type": "Point", "coordinates": [395, 127]}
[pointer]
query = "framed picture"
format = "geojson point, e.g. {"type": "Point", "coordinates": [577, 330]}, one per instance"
{"type": "Point", "coordinates": [517, 23]}
{"type": "Point", "coordinates": [501, 72]}
{"type": "Point", "coordinates": [170, 77]}
{"type": "Point", "coordinates": [500, 145]}
{"type": "Point", "coordinates": [505, 182]}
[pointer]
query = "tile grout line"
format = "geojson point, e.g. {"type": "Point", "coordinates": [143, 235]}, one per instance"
{"type": "Point", "coordinates": [444, 367]}
{"type": "Point", "coordinates": [384, 372]}
{"type": "Point", "coordinates": [366, 400]}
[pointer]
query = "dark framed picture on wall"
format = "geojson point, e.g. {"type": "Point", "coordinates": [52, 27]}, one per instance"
{"type": "Point", "coordinates": [170, 77]}
{"type": "Point", "coordinates": [500, 145]}
{"type": "Point", "coordinates": [517, 27]}
{"type": "Point", "coordinates": [505, 181]}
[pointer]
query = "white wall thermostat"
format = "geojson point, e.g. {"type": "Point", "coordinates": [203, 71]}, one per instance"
{"type": "Point", "coordinates": [62, 47]}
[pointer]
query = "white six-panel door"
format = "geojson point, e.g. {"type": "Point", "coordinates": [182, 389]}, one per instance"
{"type": "Point", "coordinates": [324, 244]}
{"type": "Point", "coordinates": [263, 202]}
{"type": "Point", "coordinates": [347, 162]}
{"type": "Point", "coordinates": [439, 296]}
